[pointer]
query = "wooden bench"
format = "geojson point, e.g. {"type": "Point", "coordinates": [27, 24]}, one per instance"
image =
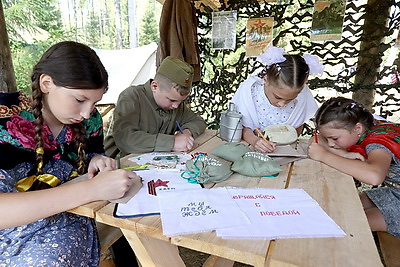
{"type": "Point", "coordinates": [390, 247]}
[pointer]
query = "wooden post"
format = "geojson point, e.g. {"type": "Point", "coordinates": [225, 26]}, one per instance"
{"type": "Point", "coordinates": [7, 75]}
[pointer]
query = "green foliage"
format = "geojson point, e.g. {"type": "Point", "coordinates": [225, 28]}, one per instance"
{"type": "Point", "coordinates": [49, 21]}
{"type": "Point", "coordinates": [149, 27]}
{"type": "Point", "coordinates": [92, 30]}
{"type": "Point", "coordinates": [25, 56]}
{"type": "Point", "coordinates": [30, 16]}
{"type": "Point", "coordinates": [37, 17]}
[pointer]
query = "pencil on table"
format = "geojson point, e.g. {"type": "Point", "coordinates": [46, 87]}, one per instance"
{"type": "Point", "coordinates": [262, 136]}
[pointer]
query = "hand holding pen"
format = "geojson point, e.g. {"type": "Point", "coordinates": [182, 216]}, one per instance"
{"type": "Point", "coordinates": [182, 142]}
{"type": "Point", "coordinates": [316, 149]}
{"type": "Point", "coordinates": [132, 168]}
{"type": "Point", "coordinates": [264, 145]}
{"type": "Point", "coordinates": [316, 136]}
{"type": "Point", "coordinates": [118, 159]}
{"type": "Point", "coordinates": [179, 127]}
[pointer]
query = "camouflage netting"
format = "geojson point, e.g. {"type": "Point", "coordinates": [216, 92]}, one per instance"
{"type": "Point", "coordinates": [224, 70]}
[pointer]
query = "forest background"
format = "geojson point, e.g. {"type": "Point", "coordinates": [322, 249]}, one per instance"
{"type": "Point", "coordinates": [34, 25]}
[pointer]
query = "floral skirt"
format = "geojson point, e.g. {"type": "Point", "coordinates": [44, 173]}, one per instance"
{"type": "Point", "coordinates": [62, 240]}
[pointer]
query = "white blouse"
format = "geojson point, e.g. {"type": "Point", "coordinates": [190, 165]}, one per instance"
{"type": "Point", "coordinates": [258, 112]}
{"type": "Point", "coordinates": [267, 113]}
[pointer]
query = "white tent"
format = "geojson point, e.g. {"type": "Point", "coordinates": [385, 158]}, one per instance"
{"type": "Point", "coordinates": [127, 67]}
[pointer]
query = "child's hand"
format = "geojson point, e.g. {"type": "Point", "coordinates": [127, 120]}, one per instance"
{"type": "Point", "coordinates": [111, 183]}
{"type": "Point", "coordinates": [316, 151]}
{"type": "Point", "coordinates": [183, 142]}
{"type": "Point", "coordinates": [260, 145]}
{"type": "Point", "coordinates": [354, 155]}
{"type": "Point", "coordinates": [98, 163]}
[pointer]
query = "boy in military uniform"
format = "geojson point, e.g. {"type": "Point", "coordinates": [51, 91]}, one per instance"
{"type": "Point", "coordinates": [147, 117]}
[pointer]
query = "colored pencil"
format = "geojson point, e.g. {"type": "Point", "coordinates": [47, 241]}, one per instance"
{"type": "Point", "coordinates": [262, 136]}
{"type": "Point", "coordinates": [179, 127]}
{"type": "Point", "coordinates": [316, 136]}
{"type": "Point", "coordinates": [118, 158]}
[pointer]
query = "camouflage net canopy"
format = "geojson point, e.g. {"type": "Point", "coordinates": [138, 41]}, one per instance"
{"type": "Point", "coordinates": [224, 70]}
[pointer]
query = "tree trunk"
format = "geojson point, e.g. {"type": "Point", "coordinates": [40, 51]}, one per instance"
{"type": "Point", "coordinates": [108, 26]}
{"type": "Point", "coordinates": [370, 58]}
{"type": "Point", "coordinates": [118, 28]}
{"type": "Point", "coordinates": [7, 75]}
{"type": "Point", "coordinates": [133, 42]}
{"type": "Point", "coordinates": [75, 9]}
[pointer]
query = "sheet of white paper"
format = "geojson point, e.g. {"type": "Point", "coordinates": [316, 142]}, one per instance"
{"type": "Point", "coordinates": [193, 211]}
{"type": "Point", "coordinates": [148, 158]}
{"type": "Point", "coordinates": [280, 213]}
{"type": "Point", "coordinates": [145, 201]}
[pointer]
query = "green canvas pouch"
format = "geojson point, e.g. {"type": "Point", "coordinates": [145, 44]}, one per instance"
{"type": "Point", "coordinates": [206, 169]}
{"type": "Point", "coordinates": [231, 151]}
{"type": "Point", "coordinates": [256, 164]}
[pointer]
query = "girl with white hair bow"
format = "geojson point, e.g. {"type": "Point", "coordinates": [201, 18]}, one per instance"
{"type": "Point", "coordinates": [277, 95]}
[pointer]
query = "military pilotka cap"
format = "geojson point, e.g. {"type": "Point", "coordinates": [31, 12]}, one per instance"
{"type": "Point", "coordinates": [177, 71]}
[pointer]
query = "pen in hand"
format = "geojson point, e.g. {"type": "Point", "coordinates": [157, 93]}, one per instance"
{"type": "Point", "coordinates": [179, 127]}
{"type": "Point", "coordinates": [316, 136]}
{"type": "Point", "coordinates": [118, 159]}
{"type": "Point", "coordinates": [262, 136]}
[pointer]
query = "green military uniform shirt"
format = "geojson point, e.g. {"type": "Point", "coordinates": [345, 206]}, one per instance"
{"type": "Point", "coordinates": [140, 125]}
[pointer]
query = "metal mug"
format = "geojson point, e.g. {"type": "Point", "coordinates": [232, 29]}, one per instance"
{"type": "Point", "coordinates": [231, 124]}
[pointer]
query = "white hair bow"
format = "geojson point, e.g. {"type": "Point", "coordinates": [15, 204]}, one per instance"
{"type": "Point", "coordinates": [272, 55]}
{"type": "Point", "coordinates": [314, 65]}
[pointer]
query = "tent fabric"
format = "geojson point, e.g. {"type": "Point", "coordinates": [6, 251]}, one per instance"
{"type": "Point", "coordinates": [127, 67]}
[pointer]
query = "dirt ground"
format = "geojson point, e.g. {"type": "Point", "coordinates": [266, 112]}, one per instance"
{"type": "Point", "coordinates": [193, 258]}
{"type": "Point", "coordinates": [196, 259]}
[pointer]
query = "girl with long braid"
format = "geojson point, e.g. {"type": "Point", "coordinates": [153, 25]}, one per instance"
{"type": "Point", "coordinates": [353, 142]}
{"type": "Point", "coordinates": [46, 141]}
{"type": "Point", "coordinates": [277, 95]}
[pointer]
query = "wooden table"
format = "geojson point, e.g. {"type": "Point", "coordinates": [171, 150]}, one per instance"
{"type": "Point", "coordinates": [89, 210]}
{"type": "Point", "coordinates": [333, 190]}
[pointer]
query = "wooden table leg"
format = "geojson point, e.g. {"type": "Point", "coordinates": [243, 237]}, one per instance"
{"type": "Point", "coordinates": [153, 252]}
{"type": "Point", "coordinates": [214, 261]}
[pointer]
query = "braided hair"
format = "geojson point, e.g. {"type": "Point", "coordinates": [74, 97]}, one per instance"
{"type": "Point", "coordinates": [71, 65]}
{"type": "Point", "coordinates": [343, 113]}
{"type": "Point", "coordinates": [293, 72]}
